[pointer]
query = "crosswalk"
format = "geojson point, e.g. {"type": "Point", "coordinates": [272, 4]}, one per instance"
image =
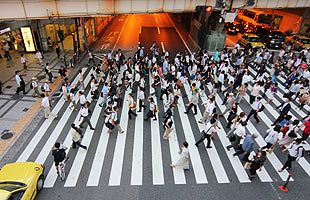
{"type": "Point", "coordinates": [108, 162]}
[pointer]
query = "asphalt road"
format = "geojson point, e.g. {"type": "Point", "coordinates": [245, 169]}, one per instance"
{"type": "Point", "coordinates": [136, 165]}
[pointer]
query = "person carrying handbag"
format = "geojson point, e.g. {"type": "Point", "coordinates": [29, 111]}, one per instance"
{"type": "Point", "coordinates": [211, 128]}
{"type": "Point", "coordinates": [257, 163]}
{"type": "Point", "coordinates": [238, 134]}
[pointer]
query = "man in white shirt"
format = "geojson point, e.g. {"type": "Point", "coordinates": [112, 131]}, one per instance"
{"type": "Point", "coordinates": [210, 128]}
{"type": "Point", "coordinates": [113, 119]}
{"type": "Point", "coordinates": [39, 57]}
{"type": "Point", "coordinates": [35, 87]}
{"type": "Point", "coordinates": [82, 98]}
{"type": "Point", "coordinates": [84, 115]}
{"type": "Point", "coordinates": [46, 105]}
{"type": "Point", "coordinates": [239, 133]}
{"type": "Point", "coordinates": [209, 107]}
{"type": "Point", "coordinates": [256, 108]}
{"type": "Point", "coordinates": [295, 151]}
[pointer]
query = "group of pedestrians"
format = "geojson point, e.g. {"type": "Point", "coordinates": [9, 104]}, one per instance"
{"type": "Point", "coordinates": [231, 74]}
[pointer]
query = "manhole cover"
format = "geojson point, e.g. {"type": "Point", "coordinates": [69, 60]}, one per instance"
{"type": "Point", "coordinates": [6, 136]}
{"type": "Point", "coordinates": [41, 77]}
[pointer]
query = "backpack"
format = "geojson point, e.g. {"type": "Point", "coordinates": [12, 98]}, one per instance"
{"type": "Point", "coordinates": [303, 151]}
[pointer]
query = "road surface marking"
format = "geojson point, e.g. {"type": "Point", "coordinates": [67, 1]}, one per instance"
{"type": "Point", "coordinates": [198, 169]}
{"type": "Point", "coordinates": [43, 128]}
{"type": "Point", "coordinates": [178, 173]}
{"type": "Point", "coordinates": [52, 175]}
{"type": "Point", "coordinates": [120, 34]}
{"type": "Point", "coordinates": [162, 46]}
{"type": "Point", "coordinates": [137, 154]}
{"type": "Point", "coordinates": [188, 49]}
{"type": "Point", "coordinates": [157, 163]}
{"type": "Point", "coordinates": [216, 162]}
{"type": "Point", "coordinates": [118, 158]}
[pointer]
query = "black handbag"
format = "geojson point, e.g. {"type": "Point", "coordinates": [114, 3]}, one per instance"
{"type": "Point", "coordinates": [232, 138]}
{"type": "Point", "coordinates": [109, 125]}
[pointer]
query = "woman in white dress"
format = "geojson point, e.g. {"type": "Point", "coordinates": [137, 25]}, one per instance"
{"type": "Point", "coordinates": [184, 157]}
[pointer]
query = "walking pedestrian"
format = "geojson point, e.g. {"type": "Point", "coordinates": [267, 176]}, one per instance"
{"type": "Point", "coordinates": [238, 134]}
{"type": "Point", "coordinates": [104, 94]}
{"type": "Point", "coordinates": [57, 49]}
{"type": "Point", "coordinates": [35, 87]}
{"type": "Point", "coordinates": [114, 121]}
{"type": "Point", "coordinates": [141, 98]}
{"type": "Point", "coordinates": [76, 135]}
{"type": "Point", "coordinates": [131, 106]}
{"type": "Point", "coordinates": [257, 163]}
{"type": "Point", "coordinates": [47, 108]}
{"type": "Point", "coordinates": [39, 57]}
{"type": "Point", "coordinates": [271, 138]}
{"type": "Point", "coordinates": [85, 116]}
{"type": "Point", "coordinates": [209, 107]}
{"type": "Point", "coordinates": [168, 122]}
{"type": "Point", "coordinates": [20, 83]}
{"type": "Point", "coordinates": [23, 61]}
{"type": "Point", "coordinates": [49, 73]}
{"type": "Point", "coordinates": [284, 109]}
{"type": "Point", "coordinates": [256, 108]}
{"type": "Point", "coordinates": [194, 100]}
{"type": "Point", "coordinates": [81, 80]}
{"type": "Point", "coordinates": [183, 161]}
{"type": "Point", "coordinates": [247, 146]}
{"type": "Point", "coordinates": [152, 109]}
{"type": "Point", "coordinates": [295, 152]}
{"type": "Point", "coordinates": [6, 50]}
{"type": "Point", "coordinates": [210, 128]}
{"type": "Point", "coordinates": [91, 57]}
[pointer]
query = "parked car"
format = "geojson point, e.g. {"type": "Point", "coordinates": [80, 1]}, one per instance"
{"type": "Point", "coordinates": [271, 38]}
{"type": "Point", "coordinates": [250, 40]}
{"type": "Point", "coordinates": [21, 180]}
{"type": "Point", "coordinates": [232, 28]}
{"type": "Point", "coordinates": [298, 42]}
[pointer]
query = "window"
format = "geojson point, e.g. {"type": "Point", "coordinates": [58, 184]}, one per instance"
{"type": "Point", "coordinates": [265, 19]}
{"type": "Point", "coordinates": [249, 14]}
{"type": "Point", "coordinates": [17, 195]}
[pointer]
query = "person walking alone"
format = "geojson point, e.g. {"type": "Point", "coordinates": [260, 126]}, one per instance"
{"type": "Point", "coordinates": [295, 152]}
{"type": "Point", "coordinates": [183, 161]}
{"type": "Point", "coordinates": [131, 106]}
{"type": "Point", "coordinates": [47, 108]}
{"type": "Point", "coordinates": [84, 115]}
{"type": "Point", "coordinates": [76, 135]}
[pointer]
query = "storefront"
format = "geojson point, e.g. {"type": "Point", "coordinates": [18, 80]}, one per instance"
{"type": "Point", "coordinates": [13, 38]}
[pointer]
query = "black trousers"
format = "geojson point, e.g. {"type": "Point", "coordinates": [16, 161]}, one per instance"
{"type": "Point", "coordinates": [77, 143]}
{"type": "Point", "coordinates": [131, 112]}
{"type": "Point", "coordinates": [86, 119]}
{"type": "Point", "coordinates": [267, 146]}
{"type": "Point", "coordinates": [21, 88]}
{"type": "Point", "coordinates": [288, 163]}
{"type": "Point", "coordinates": [190, 107]}
{"type": "Point", "coordinates": [141, 104]}
{"type": "Point", "coordinates": [253, 112]}
{"type": "Point", "coordinates": [203, 137]}
{"type": "Point", "coordinates": [241, 151]}
{"type": "Point", "coordinates": [149, 115]}
{"type": "Point", "coordinates": [252, 99]}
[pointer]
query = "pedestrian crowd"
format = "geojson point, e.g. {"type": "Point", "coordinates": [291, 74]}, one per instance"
{"type": "Point", "coordinates": [236, 75]}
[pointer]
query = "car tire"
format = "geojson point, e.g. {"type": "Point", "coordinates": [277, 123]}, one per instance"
{"type": "Point", "coordinates": [40, 183]}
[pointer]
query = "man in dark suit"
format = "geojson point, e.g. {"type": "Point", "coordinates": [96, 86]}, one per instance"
{"type": "Point", "coordinates": [284, 109]}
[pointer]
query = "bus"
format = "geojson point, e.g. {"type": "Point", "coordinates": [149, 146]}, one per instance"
{"type": "Point", "coordinates": [272, 18]}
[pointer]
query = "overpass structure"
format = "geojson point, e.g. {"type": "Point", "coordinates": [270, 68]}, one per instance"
{"type": "Point", "coordinates": [42, 9]}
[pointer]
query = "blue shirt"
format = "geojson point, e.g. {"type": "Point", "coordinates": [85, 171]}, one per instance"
{"type": "Point", "coordinates": [104, 90]}
{"type": "Point", "coordinates": [248, 143]}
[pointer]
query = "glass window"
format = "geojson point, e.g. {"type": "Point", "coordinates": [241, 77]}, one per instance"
{"type": "Point", "coordinates": [305, 41]}
{"type": "Point", "coordinates": [265, 19]}
{"type": "Point", "coordinates": [249, 14]}
{"type": "Point", "coordinates": [11, 186]}
{"type": "Point", "coordinates": [254, 39]}
{"type": "Point", "coordinates": [17, 195]}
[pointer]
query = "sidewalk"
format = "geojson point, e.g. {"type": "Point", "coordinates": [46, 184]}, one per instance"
{"type": "Point", "coordinates": [16, 111]}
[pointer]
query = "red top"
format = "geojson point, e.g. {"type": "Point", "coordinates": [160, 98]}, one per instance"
{"type": "Point", "coordinates": [307, 127]}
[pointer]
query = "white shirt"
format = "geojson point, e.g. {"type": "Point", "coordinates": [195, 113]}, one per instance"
{"type": "Point", "coordinates": [294, 150]}
{"type": "Point", "coordinates": [209, 106]}
{"type": "Point", "coordinates": [18, 80]}
{"type": "Point", "coordinates": [141, 95]}
{"type": "Point", "coordinates": [255, 90]}
{"type": "Point", "coordinates": [38, 54]}
{"type": "Point", "coordinates": [82, 99]}
{"type": "Point", "coordinates": [209, 129]}
{"type": "Point", "coordinates": [80, 77]}
{"type": "Point", "coordinates": [84, 112]}
{"type": "Point", "coordinates": [240, 130]}
{"type": "Point", "coordinates": [272, 136]}
{"type": "Point", "coordinates": [257, 105]}
{"type": "Point", "coordinates": [45, 102]}
{"type": "Point", "coordinates": [22, 60]}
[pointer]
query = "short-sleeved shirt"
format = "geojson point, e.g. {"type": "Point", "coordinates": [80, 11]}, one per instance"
{"type": "Point", "coordinates": [59, 155]}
